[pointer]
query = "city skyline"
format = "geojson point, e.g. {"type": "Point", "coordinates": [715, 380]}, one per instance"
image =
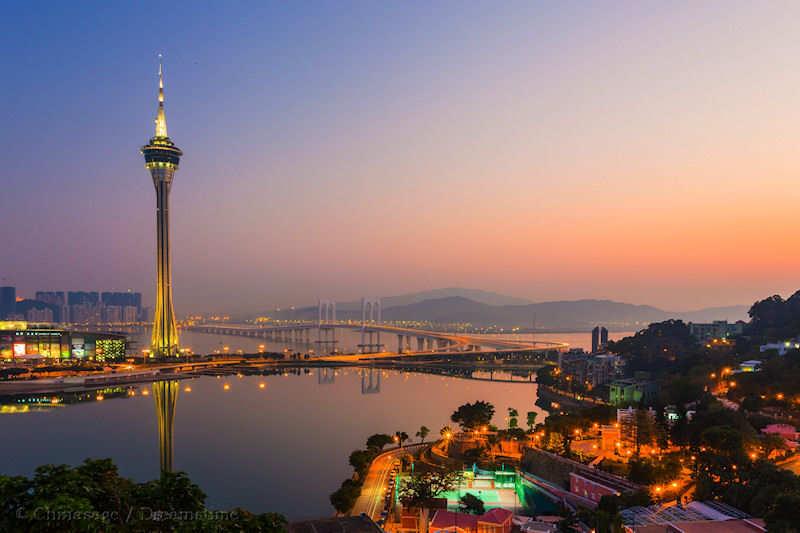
{"type": "Point", "coordinates": [394, 149]}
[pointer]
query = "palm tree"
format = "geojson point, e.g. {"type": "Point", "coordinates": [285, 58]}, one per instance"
{"type": "Point", "coordinates": [400, 437]}
{"type": "Point", "coordinates": [513, 415]}
{"type": "Point", "coordinates": [531, 421]}
{"type": "Point", "coordinates": [422, 433]}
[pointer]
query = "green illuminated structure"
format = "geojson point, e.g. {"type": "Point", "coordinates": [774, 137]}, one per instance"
{"type": "Point", "coordinates": [161, 159]}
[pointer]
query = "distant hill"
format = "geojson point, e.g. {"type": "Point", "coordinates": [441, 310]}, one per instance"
{"type": "Point", "coordinates": [555, 315]}
{"type": "Point", "coordinates": [731, 313]}
{"type": "Point", "coordinates": [579, 314]}
{"type": "Point", "coordinates": [476, 295]}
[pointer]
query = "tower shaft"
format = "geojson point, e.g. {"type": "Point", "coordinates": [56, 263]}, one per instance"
{"type": "Point", "coordinates": [165, 330]}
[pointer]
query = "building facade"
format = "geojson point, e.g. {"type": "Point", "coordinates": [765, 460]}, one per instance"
{"type": "Point", "coordinates": [21, 341]}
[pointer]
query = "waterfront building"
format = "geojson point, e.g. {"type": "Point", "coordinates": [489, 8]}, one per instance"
{"type": "Point", "coordinates": [20, 340]}
{"type": "Point", "coordinates": [589, 370]}
{"type": "Point", "coordinates": [43, 314]}
{"type": "Point", "coordinates": [112, 314]}
{"type": "Point", "coordinates": [781, 347]}
{"type": "Point", "coordinates": [636, 427]}
{"type": "Point", "coordinates": [718, 329]}
{"type": "Point", "coordinates": [632, 391]}
{"type": "Point", "coordinates": [57, 301]}
{"type": "Point", "coordinates": [593, 487]}
{"type": "Point", "coordinates": [161, 159]}
{"type": "Point", "coordinates": [130, 314]}
{"type": "Point", "coordinates": [8, 302]}
{"type": "Point", "coordinates": [599, 339]}
{"type": "Point", "coordinates": [752, 365]}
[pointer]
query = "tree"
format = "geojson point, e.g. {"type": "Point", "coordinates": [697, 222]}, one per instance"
{"type": "Point", "coordinates": [784, 515]}
{"type": "Point", "coordinates": [531, 420]}
{"type": "Point", "coordinates": [378, 441]}
{"type": "Point", "coordinates": [469, 503]}
{"type": "Point", "coordinates": [471, 416]}
{"type": "Point", "coordinates": [94, 497]}
{"type": "Point", "coordinates": [360, 461]}
{"type": "Point", "coordinates": [345, 496]}
{"type": "Point", "coordinates": [513, 417]}
{"type": "Point", "coordinates": [400, 437]}
{"type": "Point", "coordinates": [420, 489]}
{"type": "Point", "coordinates": [422, 433]}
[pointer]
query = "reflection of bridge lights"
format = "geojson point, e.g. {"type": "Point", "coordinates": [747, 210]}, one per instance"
{"type": "Point", "coordinates": [262, 385]}
{"type": "Point", "coordinates": [226, 387]}
{"type": "Point", "coordinates": [187, 389]}
{"type": "Point", "coordinates": [99, 397]}
{"type": "Point", "coordinates": [145, 392]}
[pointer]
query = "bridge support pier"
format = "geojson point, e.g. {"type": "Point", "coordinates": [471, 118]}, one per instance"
{"type": "Point", "coordinates": [420, 344]}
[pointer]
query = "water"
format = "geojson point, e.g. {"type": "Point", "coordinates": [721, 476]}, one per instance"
{"type": "Point", "coordinates": [283, 447]}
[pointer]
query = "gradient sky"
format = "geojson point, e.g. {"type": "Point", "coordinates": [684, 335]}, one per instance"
{"type": "Point", "coordinates": [641, 151]}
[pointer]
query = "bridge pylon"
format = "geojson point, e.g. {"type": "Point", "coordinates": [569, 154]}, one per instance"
{"type": "Point", "coordinates": [326, 326]}
{"type": "Point", "coordinates": [370, 315]}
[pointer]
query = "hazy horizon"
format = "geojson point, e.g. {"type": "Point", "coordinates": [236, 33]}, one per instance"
{"type": "Point", "coordinates": [642, 153]}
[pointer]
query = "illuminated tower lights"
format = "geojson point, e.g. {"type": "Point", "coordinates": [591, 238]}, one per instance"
{"type": "Point", "coordinates": [161, 159]}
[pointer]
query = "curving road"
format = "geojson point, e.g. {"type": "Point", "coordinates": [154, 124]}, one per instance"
{"type": "Point", "coordinates": [370, 501]}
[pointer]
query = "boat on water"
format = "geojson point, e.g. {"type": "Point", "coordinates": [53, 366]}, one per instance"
{"type": "Point", "coordinates": [68, 383]}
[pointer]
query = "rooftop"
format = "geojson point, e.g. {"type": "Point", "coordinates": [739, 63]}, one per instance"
{"type": "Point", "coordinates": [344, 524]}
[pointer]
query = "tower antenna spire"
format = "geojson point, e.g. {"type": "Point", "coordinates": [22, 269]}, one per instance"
{"type": "Point", "coordinates": [161, 116]}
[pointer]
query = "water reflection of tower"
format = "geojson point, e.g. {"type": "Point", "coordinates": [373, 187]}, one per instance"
{"type": "Point", "coordinates": [370, 381]}
{"type": "Point", "coordinates": [166, 395]}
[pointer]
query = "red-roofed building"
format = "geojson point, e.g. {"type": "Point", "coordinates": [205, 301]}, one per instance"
{"type": "Point", "coordinates": [493, 521]}
{"type": "Point", "coordinates": [449, 521]}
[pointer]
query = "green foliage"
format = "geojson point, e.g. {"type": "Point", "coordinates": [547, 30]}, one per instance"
{"type": "Point", "coordinates": [784, 515]}
{"type": "Point", "coordinates": [777, 375]}
{"type": "Point", "coordinates": [419, 489]}
{"type": "Point", "coordinates": [469, 503]}
{"type": "Point", "coordinates": [360, 461]}
{"type": "Point", "coordinates": [379, 440]}
{"type": "Point", "coordinates": [759, 488]}
{"type": "Point", "coordinates": [94, 497]}
{"type": "Point", "coordinates": [657, 347]}
{"type": "Point", "coordinates": [345, 496]}
{"type": "Point", "coordinates": [774, 319]}
{"type": "Point", "coordinates": [401, 437]}
{"type": "Point", "coordinates": [473, 415]}
{"type": "Point", "coordinates": [649, 472]}
{"type": "Point", "coordinates": [530, 420]}
{"type": "Point", "coordinates": [513, 418]}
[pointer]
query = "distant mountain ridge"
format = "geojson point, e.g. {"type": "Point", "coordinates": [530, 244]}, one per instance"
{"type": "Point", "coordinates": [447, 306]}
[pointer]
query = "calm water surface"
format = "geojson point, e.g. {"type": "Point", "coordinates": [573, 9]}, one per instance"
{"type": "Point", "coordinates": [280, 448]}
